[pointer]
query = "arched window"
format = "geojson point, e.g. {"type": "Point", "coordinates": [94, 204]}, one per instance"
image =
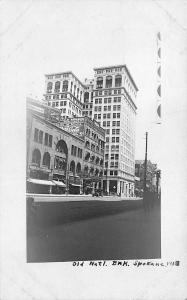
{"type": "Point", "coordinates": [91, 171]}
{"type": "Point", "coordinates": [99, 83]}
{"type": "Point", "coordinates": [72, 167]}
{"type": "Point", "coordinates": [65, 86]}
{"type": "Point", "coordinates": [108, 81]}
{"type": "Point", "coordinates": [57, 86]}
{"type": "Point", "coordinates": [36, 157]}
{"type": "Point", "coordinates": [78, 169]}
{"type": "Point", "coordinates": [87, 156]}
{"type": "Point", "coordinates": [62, 147]}
{"type": "Point", "coordinates": [86, 170]}
{"type": "Point", "coordinates": [97, 160]}
{"type": "Point", "coordinates": [92, 158]}
{"type": "Point", "coordinates": [46, 160]}
{"type": "Point", "coordinates": [49, 87]}
{"type": "Point", "coordinates": [96, 172]}
{"type": "Point", "coordinates": [87, 144]}
{"type": "Point", "coordinates": [118, 81]}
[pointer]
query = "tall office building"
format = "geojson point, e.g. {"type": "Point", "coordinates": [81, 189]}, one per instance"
{"type": "Point", "coordinates": [65, 92]}
{"type": "Point", "coordinates": [110, 99]}
{"type": "Point", "coordinates": [114, 107]}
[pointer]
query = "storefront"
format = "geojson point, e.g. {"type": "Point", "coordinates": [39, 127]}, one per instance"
{"type": "Point", "coordinates": [39, 186]}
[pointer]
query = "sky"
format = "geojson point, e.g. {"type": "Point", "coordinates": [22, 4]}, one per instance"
{"type": "Point", "coordinates": [40, 37]}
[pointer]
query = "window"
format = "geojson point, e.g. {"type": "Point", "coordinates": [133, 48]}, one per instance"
{"type": "Point", "coordinates": [99, 116]}
{"type": "Point", "coordinates": [46, 160]}
{"type": "Point", "coordinates": [108, 81]}
{"type": "Point", "coordinates": [104, 123]}
{"type": "Point", "coordinates": [118, 115]}
{"type": "Point", "coordinates": [114, 123]}
{"type": "Point", "coordinates": [100, 100]}
{"type": "Point", "coordinates": [72, 150]}
{"type": "Point", "coordinates": [108, 116]}
{"type": "Point", "coordinates": [105, 100]}
{"type": "Point", "coordinates": [50, 138]}
{"type": "Point", "coordinates": [108, 123]}
{"type": "Point", "coordinates": [95, 116]}
{"type": "Point", "coordinates": [109, 100]}
{"type": "Point", "coordinates": [107, 131]}
{"type": "Point", "coordinates": [104, 116]}
{"type": "Point", "coordinates": [113, 131]}
{"type": "Point", "coordinates": [105, 108]}
{"type": "Point", "coordinates": [118, 80]}
{"type": "Point", "coordinates": [49, 87]}
{"type": "Point", "coordinates": [65, 85]}
{"type": "Point", "coordinates": [109, 108]}
{"type": "Point", "coordinates": [99, 84]}
{"type": "Point", "coordinates": [36, 132]}
{"type": "Point", "coordinates": [46, 139]}
{"type": "Point", "coordinates": [114, 115]}
{"type": "Point", "coordinates": [96, 101]}
{"type": "Point", "coordinates": [40, 137]}
{"type": "Point", "coordinates": [57, 86]}
{"type": "Point", "coordinates": [113, 139]}
{"type": "Point", "coordinates": [118, 123]}
{"type": "Point", "coordinates": [107, 139]}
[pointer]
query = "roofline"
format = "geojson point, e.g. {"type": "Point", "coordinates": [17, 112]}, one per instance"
{"type": "Point", "coordinates": [117, 66]}
{"type": "Point", "coordinates": [57, 127]}
{"type": "Point", "coordinates": [59, 73]}
{"type": "Point", "coordinates": [42, 103]}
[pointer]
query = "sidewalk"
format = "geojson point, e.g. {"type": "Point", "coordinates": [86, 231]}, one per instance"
{"type": "Point", "coordinates": [66, 198]}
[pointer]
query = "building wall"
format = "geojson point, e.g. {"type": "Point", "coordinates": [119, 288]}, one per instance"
{"type": "Point", "coordinates": [110, 99]}
{"type": "Point", "coordinates": [58, 135]}
{"type": "Point", "coordinates": [114, 107]}
{"type": "Point", "coordinates": [69, 95]}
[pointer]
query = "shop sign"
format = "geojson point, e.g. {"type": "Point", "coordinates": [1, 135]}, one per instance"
{"type": "Point", "coordinates": [74, 126]}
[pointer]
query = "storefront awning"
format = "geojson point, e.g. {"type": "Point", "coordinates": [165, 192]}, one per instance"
{"type": "Point", "coordinates": [40, 181]}
{"type": "Point", "coordinates": [59, 183]}
{"type": "Point", "coordinates": [74, 184]}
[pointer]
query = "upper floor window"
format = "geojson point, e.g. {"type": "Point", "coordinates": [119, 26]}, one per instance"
{"type": "Point", "coordinates": [118, 81]}
{"type": "Point", "coordinates": [49, 87]}
{"type": "Point", "coordinates": [108, 81]}
{"type": "Point", "coordinates": [99, 83]}
{"type": "Point", "coordinates": [65, 85]}
{"type": "Point", "coordinates": [57, 86]}
{"type": "Point", "coordinates": [86, 96]}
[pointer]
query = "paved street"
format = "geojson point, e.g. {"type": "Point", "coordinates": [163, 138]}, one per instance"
{"type": "Point", "coordinates": [92, 230]}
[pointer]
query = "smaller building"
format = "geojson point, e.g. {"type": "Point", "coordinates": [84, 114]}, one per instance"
{"type": "Point", "coordinates": [150, 176]}
{"type": "Point", "coordinates": [63, 155]}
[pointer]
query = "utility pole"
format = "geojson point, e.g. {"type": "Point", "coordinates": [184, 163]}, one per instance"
{"type": "Point", "coordinates": [145, 163]}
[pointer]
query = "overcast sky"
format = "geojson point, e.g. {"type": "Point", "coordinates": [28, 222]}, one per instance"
{"type": "Point", "coordinates": [41, 37]}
